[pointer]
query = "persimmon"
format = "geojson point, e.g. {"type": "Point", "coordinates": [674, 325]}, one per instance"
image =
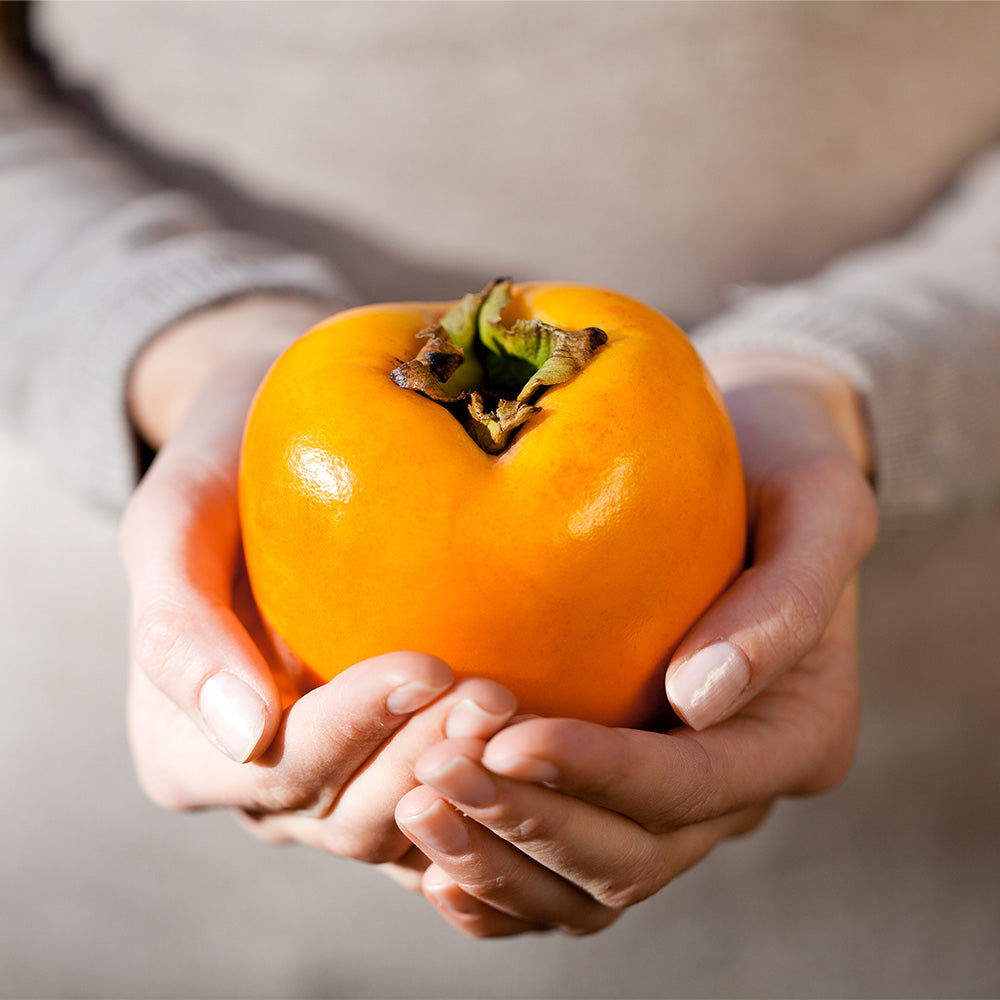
{"type": "Point", "coordinates": [539, 485]}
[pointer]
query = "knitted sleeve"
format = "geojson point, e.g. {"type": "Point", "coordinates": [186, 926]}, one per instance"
{"type": "Point", "coordinates": [914, 323]}
{"type": "Point", "coordinates": [94, 260]}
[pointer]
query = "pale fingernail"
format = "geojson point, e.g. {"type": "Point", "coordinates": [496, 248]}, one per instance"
{"type": "Point", "coordinates": [439, 827]}
{"type": "Point", "coordinates": [412, 696]}
{"type": "Point", "coordinates": [234, 714]}
{"type": "Point", "coordinates": [523, 768]}
{"type": "Point", "coordinates": [441, 888]}
{"type": "Point", "coordinates": [469, 720]}
{"type": "Point", "coordinates": [460, 780]}
{"type": "Point", "coordinates": [436, 879]}
{"type": "Point", "coordinates": [707, 685]}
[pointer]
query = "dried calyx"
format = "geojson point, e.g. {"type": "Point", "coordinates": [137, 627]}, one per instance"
{"type": "Point", "coordinates": [490, 376]}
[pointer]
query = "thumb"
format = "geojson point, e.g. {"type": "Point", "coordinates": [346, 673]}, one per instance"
{"type": "Point", "coordinates": [180, 539]}
{"type": "Point", "coordinates": [813, 528]}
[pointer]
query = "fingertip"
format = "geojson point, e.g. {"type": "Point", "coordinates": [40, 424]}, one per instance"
{"type": "Point", "coordinates": [533, 769]}
{"type": "Point", "coordinates": [467, 914]}
{"type": "Point", "coordinates": [415, 802]}
{"type": "Point", "coordinates": [440, 755]}
{"type": "Point", "coordinates": [436, 880]}
{"type": "Point", "coordinates": [533, 737]}
{"type": "Point", "coordinates": [484, 708]}
{"type": "Point", "coordinates": [413, 696]}
{"type": "Point", "coordinates": [415, 665]}
{"type": "Point", "coordinates": [414, 679]}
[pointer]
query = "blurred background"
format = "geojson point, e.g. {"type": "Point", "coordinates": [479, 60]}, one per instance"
{"type": "Point", "coordinates": [888, 887]}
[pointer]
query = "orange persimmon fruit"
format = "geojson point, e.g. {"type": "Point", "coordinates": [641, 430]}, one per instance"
{"type": "Point", "coordinates": [539, 485]}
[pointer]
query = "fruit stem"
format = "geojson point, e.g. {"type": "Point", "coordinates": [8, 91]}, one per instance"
{"type": "Point", "coordinates": [490, 375]}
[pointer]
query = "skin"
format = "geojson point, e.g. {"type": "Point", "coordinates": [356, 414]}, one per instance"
{"type": "Point", "coordinates": [193, 618]}
{"type": "Point", "coordinates": [599, 819]}
{"type": "Point", "coordinates": [509, 824]}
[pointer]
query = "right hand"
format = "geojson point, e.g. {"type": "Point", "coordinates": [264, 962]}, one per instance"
{"type": "Point", "coordinates": [219, 715]}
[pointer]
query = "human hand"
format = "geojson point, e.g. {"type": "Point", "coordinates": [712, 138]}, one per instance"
{"type": "Point", "coordinates": [327, 763]}
{"type": "Point", "coordinates": [564, 824]}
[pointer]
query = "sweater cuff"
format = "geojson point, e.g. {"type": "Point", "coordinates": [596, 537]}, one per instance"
{"type": "Point", "coordinates": [88, 431]}
{"type": "Point", "coordinates": [907, 393]}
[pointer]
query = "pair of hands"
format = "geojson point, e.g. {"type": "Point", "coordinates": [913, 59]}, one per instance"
{"type": "Point", "coordinates": [506, 826]}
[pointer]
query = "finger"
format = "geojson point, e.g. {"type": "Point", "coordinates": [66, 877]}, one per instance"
{"type": "Point", "coordinates": [609, 857]}
{"type": "Point", "coordinates": [331, 732]}
{"type": "Point", "coordinates": [324, 738]}
{"type": "Point", "coordinates": [470, 915]}
{"type": "Point", "coordinates": [813, 529]}
{"type": "Point", "coordinates": [667, 780]}
{"type": "Point", "coordinates": [408, 869]}
{"type": "Point", "coordinates": [493, 871]}
{"type": "Point", "coordinates": [180, 543]}
{"type": "Point", "coordinates": [360, 823]}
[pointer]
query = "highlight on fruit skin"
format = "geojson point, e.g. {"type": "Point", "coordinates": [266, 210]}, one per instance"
{"type": "Point", "coordinates": [538, 484]}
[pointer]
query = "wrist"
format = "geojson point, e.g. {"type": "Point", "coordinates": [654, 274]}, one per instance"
{"type": "Point", "coordinates": [826, 387]}
{"type": "Point", "coordinates": [174, 366]}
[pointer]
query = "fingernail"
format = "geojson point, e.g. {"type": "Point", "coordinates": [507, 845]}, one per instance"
{"type": "Point", "coordinates": [708, 684]}
{"type": "Point", "coordinates": [468, 719]}
{"type": "Point", "coordinates": [412, 696]}
{"type": "Point", "coordinates": [523, 768]}
{"type": "Point", "coordinates": [439, 827]}
{"type": "Point", "coordinates": [437, 879]}
{"type": "Point", "coordinates": [461, 781]}
{"type": "Point", "coordinates": [445, 892]}
{"type": "Point", "coordinates": [234, 714]}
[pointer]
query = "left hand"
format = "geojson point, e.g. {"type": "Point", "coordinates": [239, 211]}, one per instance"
{"type": "Point", "coordinates": [561, 824]}
{"type": "Point", "coordinates": [220, 713]}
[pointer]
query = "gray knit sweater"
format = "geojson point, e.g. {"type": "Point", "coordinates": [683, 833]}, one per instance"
{"type": "Point", "coordinates": [95, 258]}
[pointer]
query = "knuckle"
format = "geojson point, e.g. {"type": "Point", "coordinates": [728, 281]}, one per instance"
{"type": "Point", "coordinates": [839, 476]}
{"type": "Point", "coordinates": [483, 885]}
{"type": "Point", "coordinates": [300, 797]}
{"type": "Point", "coordinates": [521, 830]}
{"type": "Point", "coordinates": [797, 614]}
{"type": "Point", "coordinates": [617, 765]}
{"type": "Point", "coordinates": [638, 877]}
{"type": "Point", "coordinates": [161, 638]}
{"type": "Point", "coordinates": [343, 729]}
{"type": "Point", "coordinates": [692, 799]}
{"type": "Point", "coordinates": [694, 802]}
{"type": "Point", "coordinates": [834, 473]}
{"type": "Point", "coordinates": [621, 893]}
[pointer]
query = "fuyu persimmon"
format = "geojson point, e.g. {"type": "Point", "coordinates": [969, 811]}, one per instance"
{"type": "Point", "coordinates": [539, 484]}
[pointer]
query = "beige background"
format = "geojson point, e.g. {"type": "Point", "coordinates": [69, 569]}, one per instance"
{"type": "Point", "coordinates": [888, 887]}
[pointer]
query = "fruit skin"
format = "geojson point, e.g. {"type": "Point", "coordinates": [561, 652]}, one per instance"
{"type": "Point", "coordinates": [567, 568]}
